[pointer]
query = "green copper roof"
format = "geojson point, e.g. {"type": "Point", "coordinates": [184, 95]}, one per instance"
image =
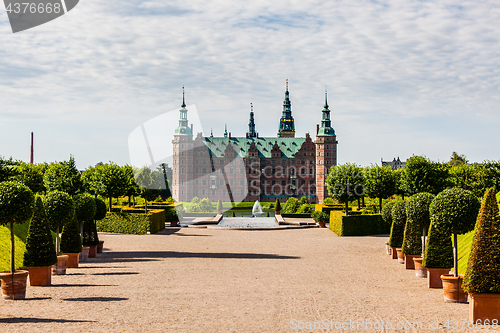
{"type": "Point", "coordinates": [288, 146]}
{"type": "Point", "coordinates": [326, 131]}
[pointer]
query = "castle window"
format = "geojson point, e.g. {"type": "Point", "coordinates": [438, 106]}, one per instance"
{"type": "Point", "coordinates": [204, 182]}
{"type": "Point", "coordinates": [303, 182]}
{"type": "Point", "coordinates": [273, 162]}
{"type": "Point", "coordinates": [204, 170]}
{"type": "Point", "coordinates": [204, 161]}
{"type": "Point", "coordinates": [197, 182]}
{"type": "Point", "coordinates": [311, 171]}
{"type": "Point", "coordinates": [182, 153]}
{"type": "Point", "coordinates": [283, 162]}
{"type": "Point", "coordinates": [182, 192]}
{"type": "Point", "coordinates": [195, 192]}
{"type": "Point", "coordinates": [283, 182]}
{"type": "Point", "coordinates": [311, 191]}
{"type": "Point", "coordinates": [303, 171]}
{"type": "Point", "coordinates": [327, 154]}
{"type": "Point", "coordinates": [231, 170]}
{"type": "Point", "coordinates": [311, 182]}
{"type": "Point", "coordinates": [303, 162]}
{"type": "Point", "coordinates": [213, 192]}
{"type": "Point", "coordinates": [221, 182]}
{"type": "Point", "coordinates": [182, 170]}
{"type": "Point", "coordinates": [182, 161]}
{"type": "Point", "coordinates": [305, 154]}
{"type": "Point", "coordinates": [196, 162]}
{"type": "Point", "coordinates": [202, 192]}
{"type": "Point", "coordinates": [293, 162]}
{"type": "Point", "coordinates": [196, 170]}
{"type": "Point", "coordinates": [264, 162]}
{"type": "Point", "coordinates": [273, 182]}
{"type": "Point", "coordinates": [182, 181]}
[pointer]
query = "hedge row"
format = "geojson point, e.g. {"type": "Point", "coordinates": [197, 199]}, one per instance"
{"type": "Point", "coordinates": [170, 211]}
{"type": "Point", "coordinates": [133, 223]}
{"type": "Point", "coordinates": [358, 225]}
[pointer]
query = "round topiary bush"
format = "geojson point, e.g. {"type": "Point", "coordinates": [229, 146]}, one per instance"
{"type": "Point", "coordinates": [60, 208]}
{"type": "Point", "coordinates": [417, 213]}
{"type": "Point", "coordinates": [100, 209]}
{"type": "Point", "coordinates": [454, 211]}
{"type": "Point", "coordinates": [328, 201]}
{"type": "Point", "coordinates": [305, 209]}
{"type": "Point", "coordinates": [483, 268]}
{"type": "Point", "coordinates": [398, 223]}
{"type": "Point", "coordinates": [71, 242]}
{"type": "Point", "coordinates": [387, 212]}
{"type": "Point", "coordinates": [40, 249]}
{"type": "Point", "coordinates": [85, 207]}
{"type": "Point", "coordinates": [438, 249]}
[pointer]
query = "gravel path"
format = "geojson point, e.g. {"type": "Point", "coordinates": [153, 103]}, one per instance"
{"type": "Point", "coordinates": [206, 280]}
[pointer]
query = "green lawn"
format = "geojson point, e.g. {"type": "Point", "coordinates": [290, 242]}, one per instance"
{"type": "Point", "coordinates": [20, 232]}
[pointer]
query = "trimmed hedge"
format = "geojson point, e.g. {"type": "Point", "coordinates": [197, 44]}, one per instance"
{"type": "Point", "coordinates": [358, 225]}
{"type": "Point", "coordinates": [133, 223]}
{"type": "Point", "coordinates": [297, 215]}
{"type": "Point", "coordinates": [398, 224]}
{"type": "Point", "coordinates": [70, 237]}
{"type": "Point", "coordinates": [438, 250]}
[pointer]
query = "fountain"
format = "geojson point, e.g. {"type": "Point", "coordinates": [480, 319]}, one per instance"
{"type": "Point", "coordinates": [257, 221]}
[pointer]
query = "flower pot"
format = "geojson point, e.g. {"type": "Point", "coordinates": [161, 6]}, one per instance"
{"type": "Point", "coordinates": [434, 277]}
{"type": "Point", "coordinates": [92, 251]}
{"type": "Point", "coordinates": [73, 260]}
{"type": "Point", "coordinates": [60, 267]}
{"type": "Point", "coordinates": [420, 271]}
{"type": "Point", "coordinates": [452, 289]}
{"type": "Point", "coordinates": [388, 248]}
{"type": "Point", "coordinates": [394, 252]}
{"type": "Point", "coordinates": [322, 224]}
{"type": "Point", "coordinates": [40, 276]}
{"type": "Point", "coordinates": [84, 255]}
{"type": "Point", "coordinates": [100, 246]}
{"type": "Point", "coordinates": [13, 285]}
{"type": "Point", "coordinates": [409, 264]}
{"type": "Point", "coordinates": [484, 307]}
{"type": "Point", "coordinates": [174, 223]}
{"type": "Point", "coordinates": [401, 256]}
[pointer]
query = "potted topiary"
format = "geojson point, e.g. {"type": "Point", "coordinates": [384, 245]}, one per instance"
{"type": "Point", "coordinates": [321, 218]}
{"type": "Point", "coordinates": [40, 252]}
{"type": "Point", "coordinates": [438, 256]}
{"type": "Point", "coordinates": [17, 203]}
{"type": "Point", "coordinates": [277, 207]}
{"type": "Point", "coordinates": [100, 213]}
{"type": "Point", "coordinates": [417, 213]}
{"type": "Point", "coordinates": [482, 279]}
{"type": "Point", "coordinates": [85, 208]}
{"type": "Point", "coordinates": [60, 209]}
{"type": "Point", "coordinates": [398, 229]}
{"type": "Point", "coordinates": [455, 212]}
{"type": "Point", "coordinates": [219, 207]}
{"type": "Point", "coordinates": [71, 242]}
{"type": "Point", "coordinates": [387, 217]}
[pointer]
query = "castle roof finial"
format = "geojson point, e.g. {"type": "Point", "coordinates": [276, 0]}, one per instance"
{"type": "Point", "coordinates": [225, 130]}
{"type": "Point", "coordinates": [326, 97]}
{"type": "Point", "coordinates": [183, 103]}
{"type": "Point", "coordinates": [286, 84]}
{"type": "Point", "coordinates": [251, 107]}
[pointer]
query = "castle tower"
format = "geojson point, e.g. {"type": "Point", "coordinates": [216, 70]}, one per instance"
{"type": "Point", "coordinates": [251, 124]}
{"type": "Point", "coordinates": [287, 126]}
{"type": "Point", "coordinates": [326, 151]}
{"type": "Point", "coordinates": [183, 157]}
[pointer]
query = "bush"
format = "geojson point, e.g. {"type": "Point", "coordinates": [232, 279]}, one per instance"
{"type": "Point", "coordinates": [100, 209]}
{"type": "Point", "coordinates": [71, 241]}
{"type": "Point", "coordinates": [17, 203]}
{"type": "Point", "coordinates": [138, 224]}
{"type": "Point", "coordinates": [328, 201]}
{"type": "Point", "coordinates": [483, 268]}
{"type": "Point", "coordinates": [305, 209]}
{"type": "Point", "coordinates": [358, 225]}
{"type": "Point", "coordinates": [59, 208]}
{"type": "Point", "coordinates": [290, 206]}
{"type": "Point", "coordinates": [438, 250]}
{"type": "Point", "coordinates": [387, 212]}
{"type": "Point", "coordinates": [398, 224]}
{"type": "Point", "coordinates": [40, 249]}
{"type": "Point", "coordinates": [85, 207]}
{"type": "Point", "coordinates": [90, 236]}
{"type": "Point", "coordinates": [303, 200]}
{"type": "Point", "coordinates": [277, 206]}
{"type": "Point", "coordinates": [417, 213]}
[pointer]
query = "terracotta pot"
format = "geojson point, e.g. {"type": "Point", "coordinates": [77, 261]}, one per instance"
{"type": "Point", "coordinates": [14, 285]}
{"type": "Point", "coordinates": [434, 277]}
{"type": "Point", "coordinates": [322, 224]}
{"type": "Point", "coordinates": [73, 260]}
{"type": "Point", "coordinates": [387, 248]}
{"type": "Point", "coordinates": [100, 246]}
{"type": "Point", "coordinates": [92, 251]}
{"type": "Point", "coordinates": [394, 252]}
{"type": "Point", "coordinates": [174, 223]}
{"type": "Point", "coordinates": [420, 271]}
{"type": "Point", "coordinates": [60, 267]}
{"type": "Point", "coordinates": [452, 289]}
{"type": "Point", "coordinates": [84, 255]}
{"type": "Point", "coordinates": [40, 276]}
{"type": "Point", "coordinates": [401, 256]}
{"type": "Point", "coordinates": [484, 307]}
{"type": "Point", "coordinates": [409, 264]}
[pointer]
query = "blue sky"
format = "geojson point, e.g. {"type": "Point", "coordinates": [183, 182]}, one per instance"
{"type": "Point", "coordinates": [403, 77]}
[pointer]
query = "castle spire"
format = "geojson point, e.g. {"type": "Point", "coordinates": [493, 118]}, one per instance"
{"type": "Point", "coordinates": [326, 124]}
{"type": "Point", "coordinates": [326, 98]}
{"type": "Point", "coordinates": [251, 124]}
{"type": "Point", "coordinates": [287, 126]}
{"type": "Point", "coordinates": [183, 128]}
{"type": "Point", "coordinates": [225, 130]}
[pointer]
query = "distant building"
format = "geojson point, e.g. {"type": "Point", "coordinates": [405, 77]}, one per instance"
{"type": "Point", "coordinates": [395, 164]}
{"type": "Point", "coordinates": [249, 168]}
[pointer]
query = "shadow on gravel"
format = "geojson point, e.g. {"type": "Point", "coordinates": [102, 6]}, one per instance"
{"type": "Point", "coordinates": [38, 298]}
{"type": "Point", "coordinates": [116, 273]}
{"type": "Point", "coordinates": [83, 285]}
{"type": "Point", "coordinates": [95, 299]}
{"type": "Point", "coordinates": [40, 320]}
{"type": "Point", "coordinates": [137, 255]}
{"type": "Point", "coordinates": [104, 267]}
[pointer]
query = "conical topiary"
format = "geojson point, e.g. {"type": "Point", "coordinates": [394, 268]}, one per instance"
{"type": "Point", "coordinates": [40, 249]}
{"type": "Point", "coordinates": [90, 236]}
{"type": "Point", "coordinates": [277, 206]}
{"type": "Point", "coordinates": [398, 223]}
{"type": "Point", "coordinates": [219, 207]}
{"type": "Point", "coordinates": [438, 250]}
{"type": "Point", "coordinates": [71, 241]}
{"type": "Point", "coordinates": [483, 268]}
{"type": "Point", "coordinates": [417, 213]}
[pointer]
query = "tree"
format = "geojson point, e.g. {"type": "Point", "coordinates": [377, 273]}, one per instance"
{"type": "Point", "coordinates": [418, 220]}
{"type": "Point", "coordinates": [6, 168]}
{"type": "Point", "coordinates": [379, 183]}
{"type": "Point", "coordinates": [63, 176]}
{"type": "Point", "coordinates": [277, 206]}
{"type": "Point", "coordinates": [131, 188]}
{"type": "Point", "coordinates": [467, 176]}
{"type": "Point", "coordinates": [166, 172]}
{"type": "Point", "coordinates": [148, 186]}
{"type": "Point", "coordinates": [59, 208]}
{"type": "Point", "coordinates": [454, 211]}
{"type": "Point", "coordinates": [398, 224]}
{"type": "Point", "coordinates": [399, 188]}
{"type": "Point", "coordinates": [345, 183]}
{"type": "Point", "coordinates": [85, 209]}
{"type": "Point", "coordinates": [291, 205]}
{"type": "Point", "coordinates": [71, 242]}
{"type": "Point", "coordinates": [40, 250]}
{"type": "Point", "coordinates": [108, 180]}
{"type": "Point", "coordinates": [30, 175]}
{"type": "Point", "coordinates": [387, 212]}
{"type": "Point", "coordinates": [456, 159]}
{"type": "Point", "coordinates": [17, 203]}
{"type": "Point", "coordinates": [423, 175]}
{"type": "Point", "coordinates": [483, 268]}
